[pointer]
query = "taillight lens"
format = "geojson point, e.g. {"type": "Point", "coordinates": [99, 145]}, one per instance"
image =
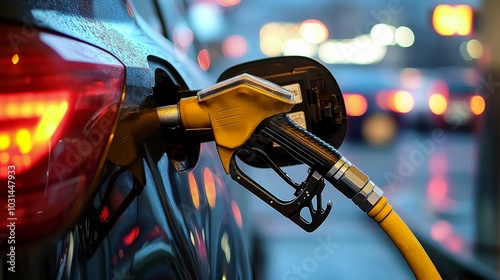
{"type": "Point", "coordinates": [58, 103]}
{"type": "Point", "coordinates": [29, 120]}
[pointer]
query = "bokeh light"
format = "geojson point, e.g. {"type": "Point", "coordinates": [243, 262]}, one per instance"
{"type": "Point", "coordinates": [402, 102]}
{"type": "Point", "coordinates": [438, 104]}
{"type": "Point", "coordinates": [449, 20]}
{"type": "Point", "coordinates": [204, 59]}
{"type": "Point", "coordinates": [210, 189]}
{"type": "Point", "coordinates": [271, 39]}
{"type": "Point", "coordinates": [411, 78]}
{"type": "Point", "coordinates": [234, 46]}
{"type": "Point", "coordinates": [475, 49]}
{"type": "Point", "coordinates": [313, 31]}
{"type": "Point", "coordinates": [297, 46]}
{"type": "Point", "coordinates": [441, 231]}
{"type": "Point", "coordinates": [356, 104]}
{"type": "Point", "coordinates": [360, 50]}
{"type": "Point", "coordinates": [383, 34]}
{"type": "Point", "coordinates": [182, 35]}
{"type": "Point", "coordinates": [379, 129]}
{"type": "Point", "coordinates": [15, 59]}
{"type": "Point", "coordinates": [193, 190]}
{"type": "Point", "coordinates": [237, 214]}
{"type": "Point", "coordinates": [4, 141]}
{"type": "Point", "coordinates": [477, 104]}
{"type": "Point", "coordinates": [207, 20]}
{"type": "Point", "coordinates": [464, 52]}
{"type": "Point", "coordinates": [404, 37]}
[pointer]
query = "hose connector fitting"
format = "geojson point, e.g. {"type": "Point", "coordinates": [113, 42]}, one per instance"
{"type": "Point", "coordinates": [354, 184]}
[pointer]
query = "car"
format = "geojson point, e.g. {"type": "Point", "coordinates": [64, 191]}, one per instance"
{"type": "Point", "coordinates": [93, 187]}
{"type": "Point", "coordinates": [444, 97]}
{"type": "Point", "coordinates": [382, 102]}
{"type": "Point", "coordinates": [454, 98]}
{"type": "Point", "coordinates": [375, 102]}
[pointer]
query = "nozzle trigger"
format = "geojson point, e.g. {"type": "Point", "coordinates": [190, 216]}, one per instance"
{"type": "Point", "coordinates": [304, 193]}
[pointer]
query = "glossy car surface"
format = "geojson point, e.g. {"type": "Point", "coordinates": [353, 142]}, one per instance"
{"type": "Point", "coordinates": [159, 206]}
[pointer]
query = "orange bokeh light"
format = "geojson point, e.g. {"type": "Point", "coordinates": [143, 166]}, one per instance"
{"type": "Point", "coordinates": [450, 20]}
{"type": "Point", "coordinates": [193, 188]}
{"type": "Point", "coordinates": [477, 105]}
{"type": "Point", "coordinates": [237, 214]}
{"type": "Point", "coordinates": [356, 104]}
{"type": "Point", "coordinates": [438, 104]}
{"type": "Point", "coordinates": [210, 190]}
{"type": "Point", "coordinates": [401, 102]}
{"type": "Point", "coordinates": [15, 59]}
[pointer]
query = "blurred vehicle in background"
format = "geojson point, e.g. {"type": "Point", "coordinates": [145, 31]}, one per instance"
{"type": "Point", "coordinates": [374, 101]}
{"type": "Point", "coordinates": [454, 100]}
{"type": "Point", "coordinates": [381, 101]}
{"type": "Point", "coordinates": [445, 97]}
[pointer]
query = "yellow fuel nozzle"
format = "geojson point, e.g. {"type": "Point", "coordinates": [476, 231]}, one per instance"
{"type": "Point", "coordinates": [233, 109]}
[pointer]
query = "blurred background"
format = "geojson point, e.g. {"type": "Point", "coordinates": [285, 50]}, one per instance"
{"type": "Point", "coordinates": [417, 77]}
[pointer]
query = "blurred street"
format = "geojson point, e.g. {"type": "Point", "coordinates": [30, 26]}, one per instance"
{"type": "Point", "coordinates": [429, 180]}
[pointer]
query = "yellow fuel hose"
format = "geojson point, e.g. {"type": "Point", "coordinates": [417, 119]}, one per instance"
{"type": "Point", "coordinates": [405, 241]}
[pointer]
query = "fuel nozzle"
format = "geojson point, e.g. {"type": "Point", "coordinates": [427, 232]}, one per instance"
{"type": "Point", "coordinates": [245, 106]}
{"type": "Point", "coordinates": [232, 109]}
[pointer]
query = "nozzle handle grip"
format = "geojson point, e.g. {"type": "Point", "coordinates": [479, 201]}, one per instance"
{"type": "Point", "coordinates": [301, 144]}
{"type": "Point", "coordinates": [307, 148]}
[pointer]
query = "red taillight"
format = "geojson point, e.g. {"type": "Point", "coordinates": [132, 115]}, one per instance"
{"type": "Point", "coordinates": [439, 95]}
{"type": "Point", "coordinates": [355, 104]}
{"type": "Point", "coordinates": [402, 102]}
{"type": "Point", "coordinates": [398, 101]}
{"type": "Point", "coordinates": [438, 104]}
{"type": "Point", "coordinates": [477, 105]}
{"type": "Point", "coordinates": [29, 120]}
{"type": "Point", "coordinates": [58, 103]}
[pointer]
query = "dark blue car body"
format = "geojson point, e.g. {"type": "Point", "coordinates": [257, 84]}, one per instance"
{"type": "Point", "coordinates": [183, 223]}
